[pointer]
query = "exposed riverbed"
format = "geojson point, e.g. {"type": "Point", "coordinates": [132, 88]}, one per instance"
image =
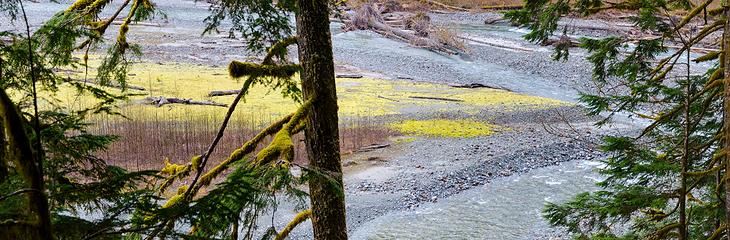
{"type": "Point", "coordinates": [487, 187]}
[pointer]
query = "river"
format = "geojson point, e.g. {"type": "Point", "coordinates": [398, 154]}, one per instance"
{"type": "Point", "coordinates": [507, 208]}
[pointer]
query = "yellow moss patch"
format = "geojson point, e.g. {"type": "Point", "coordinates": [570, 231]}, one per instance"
{"type": "Point", "coordinates": [445, 128]}
{"type": "Point", "coordinates": [357, 97]}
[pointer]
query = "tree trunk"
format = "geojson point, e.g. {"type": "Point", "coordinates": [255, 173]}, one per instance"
{"type": "Point", "coordinates": [321, 134]}
{"type": "Point", "coordinates": [23, 158]}
{"type": "Point", "coordinates": [726, 112]}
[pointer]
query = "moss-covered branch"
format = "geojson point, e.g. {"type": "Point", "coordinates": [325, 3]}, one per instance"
{"type": "Point", "coordinates": [718, 232]}
{"type": "Point", "coordinates": [702, 34]}
{"type": "Point", "coordinates": [692, 14]}
{"type": "Point", "coordinates": [278, 49]}
{"type": "Point", "coordinates": [238, 154]}
{"type": "Point", "coordinates": [298, 219]}
{"type": "Point", "coordinates": [282, 145]}
{"type": "Point", "coordinates": [239, 69]}
{"type": "Point", "coordinates": [124, 27]}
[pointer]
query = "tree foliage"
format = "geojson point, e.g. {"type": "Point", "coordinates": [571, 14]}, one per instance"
{"type": "Point", "coordinates": [234, 202]}
{"type": "Point", "coordinates": [669, 182]}
{"type": "Point", "coordinates": [63, 171]}
{"type": "Point", "coordinates": [51, 141]}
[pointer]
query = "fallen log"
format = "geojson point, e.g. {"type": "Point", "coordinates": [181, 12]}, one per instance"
{"type": "Point", "coordinates": [160, 101]}
{"type": "Point", "coordinates": [112, 85]}
{"type": "Point", "coordinates": [478, 85]}
{"type": "Point", "coordinates": [437, 98]}
{"type": "Point", "coordinates": [217, 93]}
{"type": "Point", "coordinates": [503, 7]}
{"type": "Point", "coordinates": [572, 42]}
{"type": "Point", "coordinates": [368, 18]}
{"type": "Point", "coordinates": [347, 75]}
{"type": "Point", "coordinates": [493, 20]}
{"type": "Point", "coordinates": [412, 38]}
{"type": "Point", "coordinates": [373, 147]}
{"type": "Point", "coordinates": [146, 24]}
{"type": "Point", "coordinates": [387, 98]}
{"type": "Point", "coordinates": [495, 44]}
{"type": "Point", "coordinates": [448, 7]}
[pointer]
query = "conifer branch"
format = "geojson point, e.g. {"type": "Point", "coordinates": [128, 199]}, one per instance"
{"type": "Point", "coordinates": [707, 172]}
{"type": "Point", "coordinates": [718, 232]}
{"type": "Point", "coordinates": [239, 153]}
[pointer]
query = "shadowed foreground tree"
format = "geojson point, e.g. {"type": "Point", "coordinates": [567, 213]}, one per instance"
{"type": "Point", "coordinates": [672, 181]}
{"type": "Point", "coordinates": [48, 171]}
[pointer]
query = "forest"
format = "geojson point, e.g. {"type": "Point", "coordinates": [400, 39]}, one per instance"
{"type": "Point", "coordinates": [364, 119]}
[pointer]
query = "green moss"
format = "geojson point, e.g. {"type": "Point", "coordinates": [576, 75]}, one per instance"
{"type": "Point", "coordinates": [79, 5]}
{"type": "Point", "coordinates": [172, 169]}
{"type": "Point", "coordinates": [238, 69]}
{"type": "Point", "coordinates": [281, 146]}
{"type": "Point", "coordinates": [195, 162]}
{"type": "Point", "coordinates": [174, 200]}
{"type": "Point", "coordinates": [708, 57]}
{"type": "Point", "coordinates": [299, 218]}
{"type": "Point", "coordinates": [445, 128]}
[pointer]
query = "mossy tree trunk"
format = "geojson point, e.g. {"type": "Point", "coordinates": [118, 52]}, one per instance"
{"type": "Point", "coordinates": [22, 156]}
{"type": "Point", "coordinates": [726, 112]}
{"type": "Point", "coordinates": [321, 133]}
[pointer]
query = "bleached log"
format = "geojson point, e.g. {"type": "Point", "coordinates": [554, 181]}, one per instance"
{"type": "Point", "coordinates": [161, 100]}
{"type": "Point", "coordinates": [217, 93]}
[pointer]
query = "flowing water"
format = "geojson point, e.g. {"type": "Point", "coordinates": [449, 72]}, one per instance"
{"type": "Point", "coordinates": [507, 208]}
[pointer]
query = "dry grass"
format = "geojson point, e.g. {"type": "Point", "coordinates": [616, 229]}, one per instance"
{"type": "Point", "coordinates": [420, 5]}
{"type": "Point", "coordinates": [450, 37]}
{"type": "Point", "coordinates": [144, 144]}
{"type": "Point", "coordinates": [416, 5]}
{"type": "Point", "coordinates": [477, 4]}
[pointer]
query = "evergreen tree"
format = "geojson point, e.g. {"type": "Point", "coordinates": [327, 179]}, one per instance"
{"type": "Point", "coordinates": [672, 181]}
{"type": "Point", "coordinates": [255, 180]}
{"type": "Point", "coordinates": [48, 171]}
{"type": "Point", "coordinates": [61, 172]}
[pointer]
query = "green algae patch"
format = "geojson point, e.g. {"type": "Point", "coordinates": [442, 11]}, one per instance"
{"type": "Point", "coordinates": [446, 128]}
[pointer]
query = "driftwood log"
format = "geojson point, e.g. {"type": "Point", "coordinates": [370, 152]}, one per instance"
{"type": "Point", "coordinates": [368, 18]}
{"type": "Point", "coordinates": [146, 24]}
{"type": "Point", "coordinates": [387, 98]}
{"type": "Point", "coordinates": [503, 7]}
{"type": "Point", "coordinates": [496, 44]}
{"type": "Point", "coordinates": [373, 147]}
{"type": "Point", "coordinates": [161, 100]}
{"type": "Point", "coordinates": [217, 93]}
{"type": "Point", "coordinates": [348, 75]}
{"type": "Point", "coordinates": [437, 98]}
{"type": "Point", "coordinates": [445, 6]}
{"type": "Point", "coordinates": [478, 85]}
{"type": "Point", "coordinates": [111, 85]}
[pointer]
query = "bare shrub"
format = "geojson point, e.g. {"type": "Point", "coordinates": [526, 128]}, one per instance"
{"type": "Point", "coordinates": [419, 23]}
{"type": "Point", "coordinates": [449, 37]}
{"type": "Point", "coordinates": [361, 19]}
{"type": "Point", "coordinates": [390, 6]}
